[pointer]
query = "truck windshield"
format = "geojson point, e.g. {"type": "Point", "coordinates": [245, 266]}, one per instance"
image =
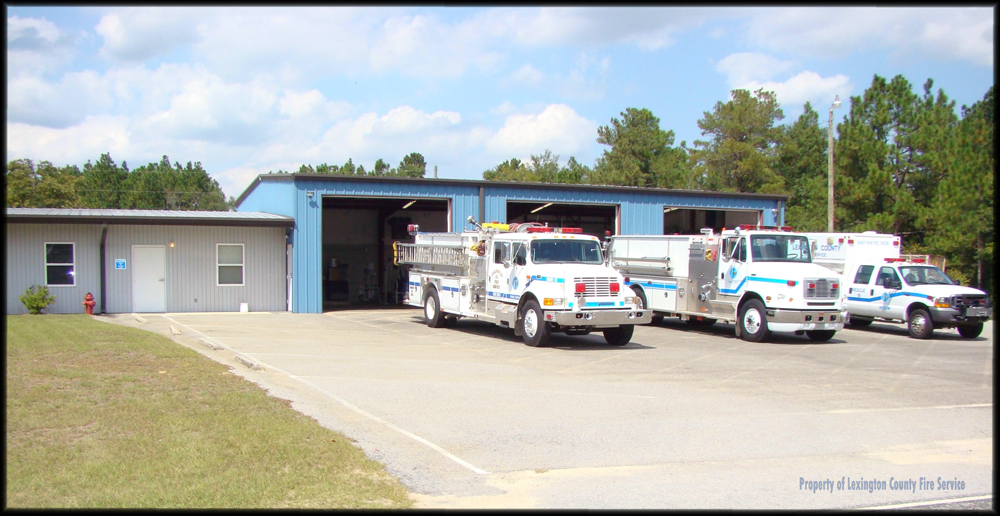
{"type": "Point", "coordinates": [780, 248]}
{"type": "Point", "coordinates": [565, 251]}
{"type": "Point", "coordinates": [924, 275]}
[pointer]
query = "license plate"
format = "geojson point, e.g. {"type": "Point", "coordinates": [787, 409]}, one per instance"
{"type": "Point", "coordinates": [976, 312]}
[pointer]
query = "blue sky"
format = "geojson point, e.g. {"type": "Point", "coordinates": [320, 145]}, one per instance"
{"type": "Point", "coordinates": [247, 90]}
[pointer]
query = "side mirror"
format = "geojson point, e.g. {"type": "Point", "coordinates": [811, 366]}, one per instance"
{"type": "Point", "coordinates": [506, 264]}
{"type": "Point", "coordinates": [890, 283]}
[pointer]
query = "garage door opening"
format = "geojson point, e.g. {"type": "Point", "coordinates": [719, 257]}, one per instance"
{"type": "Point", "coordinates": [593, 219]}
{"type": "Point", "coordinates": [358, 233]}
{"type": "Point", "coordinates": [687, 221]}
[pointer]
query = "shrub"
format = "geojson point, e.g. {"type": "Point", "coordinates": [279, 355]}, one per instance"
{"type": "Point", "coordinates": [36, 298]}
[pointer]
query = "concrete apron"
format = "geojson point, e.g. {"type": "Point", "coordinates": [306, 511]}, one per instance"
{"type": "Point", "coordinates": [509, 470]}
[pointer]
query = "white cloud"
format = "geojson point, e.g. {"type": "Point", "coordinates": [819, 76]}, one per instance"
{"type": "Point", "coordinates": [805, 87]}
{"type": "Point", "coordinates": [558, 127]}
{"type": "Point", "coordinates": [945, 33]}
{"type": "Point", "coordinates": [29, 32]}
{"type": "Point", "coordinates": [649, 28]}
{"type": "Point", "coordinates": [136, 33]}
{"type": "Point", "coordinates": [57, 104]}
{"type": "Point", "coordinates": [745, 67]}
{"type": "Point", "coordinates": [73, 145]}
{"type": "Point", "coordinates": [36, 45]}
{"type": "Point", "coordinates": [752, 71]}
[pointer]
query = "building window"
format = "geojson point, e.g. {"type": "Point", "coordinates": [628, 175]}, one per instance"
{"type": "Point", "coordinates": [229, 264]}
{"type": "Point", "coordinates": [60, 266]}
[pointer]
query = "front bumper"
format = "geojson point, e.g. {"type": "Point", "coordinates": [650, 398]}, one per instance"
{"type": "Point", "coordinates": [796, 320]}
{"type": "Point", "coordinates": [599, 318]}
{"type": "Point", "coordinates": [971, 315]}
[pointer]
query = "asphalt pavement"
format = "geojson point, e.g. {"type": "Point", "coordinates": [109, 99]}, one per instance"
{"type": "Point", "coordinates": [681, 417]}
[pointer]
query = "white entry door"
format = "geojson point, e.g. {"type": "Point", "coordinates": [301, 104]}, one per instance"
{"type": "Point", "coordinates": [149, 267]}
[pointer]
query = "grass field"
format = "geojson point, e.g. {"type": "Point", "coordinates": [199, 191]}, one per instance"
{"type": "Point", "coordinates": [100, 415]}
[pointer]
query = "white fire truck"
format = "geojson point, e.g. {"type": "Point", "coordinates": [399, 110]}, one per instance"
{"type": "Point", "coordinates": [903, 289]}
{"type": "Point", "coordinates": [532, 278]}
{"type": "Point", "coordinates": [761, 278]}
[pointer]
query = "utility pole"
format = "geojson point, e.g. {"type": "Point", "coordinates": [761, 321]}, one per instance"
{"type": "Point", "coordinates": [829, 153]}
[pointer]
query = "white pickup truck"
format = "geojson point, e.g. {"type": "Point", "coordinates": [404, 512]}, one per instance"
{"type": "Point", "coordinates": [881, 285]}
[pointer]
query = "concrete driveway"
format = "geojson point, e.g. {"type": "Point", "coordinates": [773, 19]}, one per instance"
{"type": "Point", "coordinates": [679, 418]}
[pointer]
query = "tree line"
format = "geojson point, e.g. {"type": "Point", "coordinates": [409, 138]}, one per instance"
{"type": "Point", "coordinates": [107, 185]}
{"type": "Point", "coordinates": [412, 165]}
{"type": "Point", "coordinates": [904, 163]}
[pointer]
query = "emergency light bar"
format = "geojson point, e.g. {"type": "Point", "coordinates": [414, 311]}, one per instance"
{"type": "Point", "coordinates": [895, 260]}
{"type": "Point", "coordinates": [538, 230]}
{"type": "Point", "coordinates": [769, 228]}
{"type": "Point", "coordinates": [569, 230]}
{"type": "Point", "coordinates": [413, 229]}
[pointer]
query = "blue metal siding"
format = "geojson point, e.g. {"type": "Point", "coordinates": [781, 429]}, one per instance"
{"type": "Point", "coordinates": [641, 212]}
{"type": "Point", "coordinates": [271, 196]}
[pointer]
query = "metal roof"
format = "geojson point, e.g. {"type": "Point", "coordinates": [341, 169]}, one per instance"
{"type": "Point", "coordinates": [514, 184]}
{"type": "Point", "coordinates": [150, 217]}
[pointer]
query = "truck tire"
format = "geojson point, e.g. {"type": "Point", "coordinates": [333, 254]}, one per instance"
{"type": "Point", "coordinates": [970, 331]}
{"type": "Point", "coordinates": [859, 322]}
{"type": "Point", "coordinates": [619, 336]}
{"type": "Point", "coordinates": [820, 335]}
{"type": "Point", "coordinates": [920, 324]}
{"type": "Point", "coordinates": [640, 296]}
{"type": "Point", "coordinates": [536, 330]}
{"type": "Point", "coordinates": [432, 309]}
{"type": "Point", "coordinates": [753, 321]}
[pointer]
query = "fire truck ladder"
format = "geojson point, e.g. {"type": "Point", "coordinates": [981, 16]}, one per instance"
{"type": "Point", "coordinates": [429, 257]}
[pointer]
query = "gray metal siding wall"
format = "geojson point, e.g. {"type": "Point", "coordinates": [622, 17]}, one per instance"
{"type": "Point", "coordinates": [26, 264]}
{"type": "Point", "coordinates": [191, 269]}
{"type": "Point", "coordinates": [307, 250]}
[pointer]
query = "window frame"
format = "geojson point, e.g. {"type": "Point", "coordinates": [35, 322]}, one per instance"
{"type": "Point", "coordinates": [242, 265]}
{"type": "Point", "coordinates": [45, 261]}
{"type": "Point", "coordinates": [871, 274]}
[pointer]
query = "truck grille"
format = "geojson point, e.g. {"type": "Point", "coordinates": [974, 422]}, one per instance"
{"type": "Point", "coordinates": [822, 288]}
{"type": "Point", "coordinates": [964, 301]}
{"type": "Point", "coordinates": [596, 287]}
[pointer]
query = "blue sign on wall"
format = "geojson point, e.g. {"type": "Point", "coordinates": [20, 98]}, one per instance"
{"type": "Point", "coordinates": [120, 263]}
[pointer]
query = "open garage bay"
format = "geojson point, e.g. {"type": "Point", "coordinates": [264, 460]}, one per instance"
{"type": "Point", "coordinates": [678, 418]}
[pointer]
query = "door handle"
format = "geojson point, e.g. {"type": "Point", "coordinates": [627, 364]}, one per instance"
{"type": "Point", "coordinates": [161, 279]}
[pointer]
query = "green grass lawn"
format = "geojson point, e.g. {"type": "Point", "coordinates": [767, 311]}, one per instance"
{"type": "Point", "coordinates": [100, 415]}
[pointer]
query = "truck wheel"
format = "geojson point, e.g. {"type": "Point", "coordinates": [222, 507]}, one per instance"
{"type": "Point", "coordinates": [450, 321]}
{"type": "Point", "coordinates": [820, 335]}
{"type": "Point", "coordinates": [619, 336]}
{"type": "Point", "coordinates": [432, 309]}
{"type": "Point", "coordinates": [753, 321]}
{"type": "Point", "coordinates": [536, 330]}
{"type": "Point", "coordinates": [643, 305]}
{"type": "Point", "coordinates": [920, 324]}
{"type": "Point", "coordinates": [859, 322]}
{"type": "Point", "coordinates": [970, 331]}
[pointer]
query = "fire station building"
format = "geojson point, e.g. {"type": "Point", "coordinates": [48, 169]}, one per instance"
{"type": "Point", "coordinates": [344, 226]}
{"type": "Point", "coordinates": [309, 242]}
